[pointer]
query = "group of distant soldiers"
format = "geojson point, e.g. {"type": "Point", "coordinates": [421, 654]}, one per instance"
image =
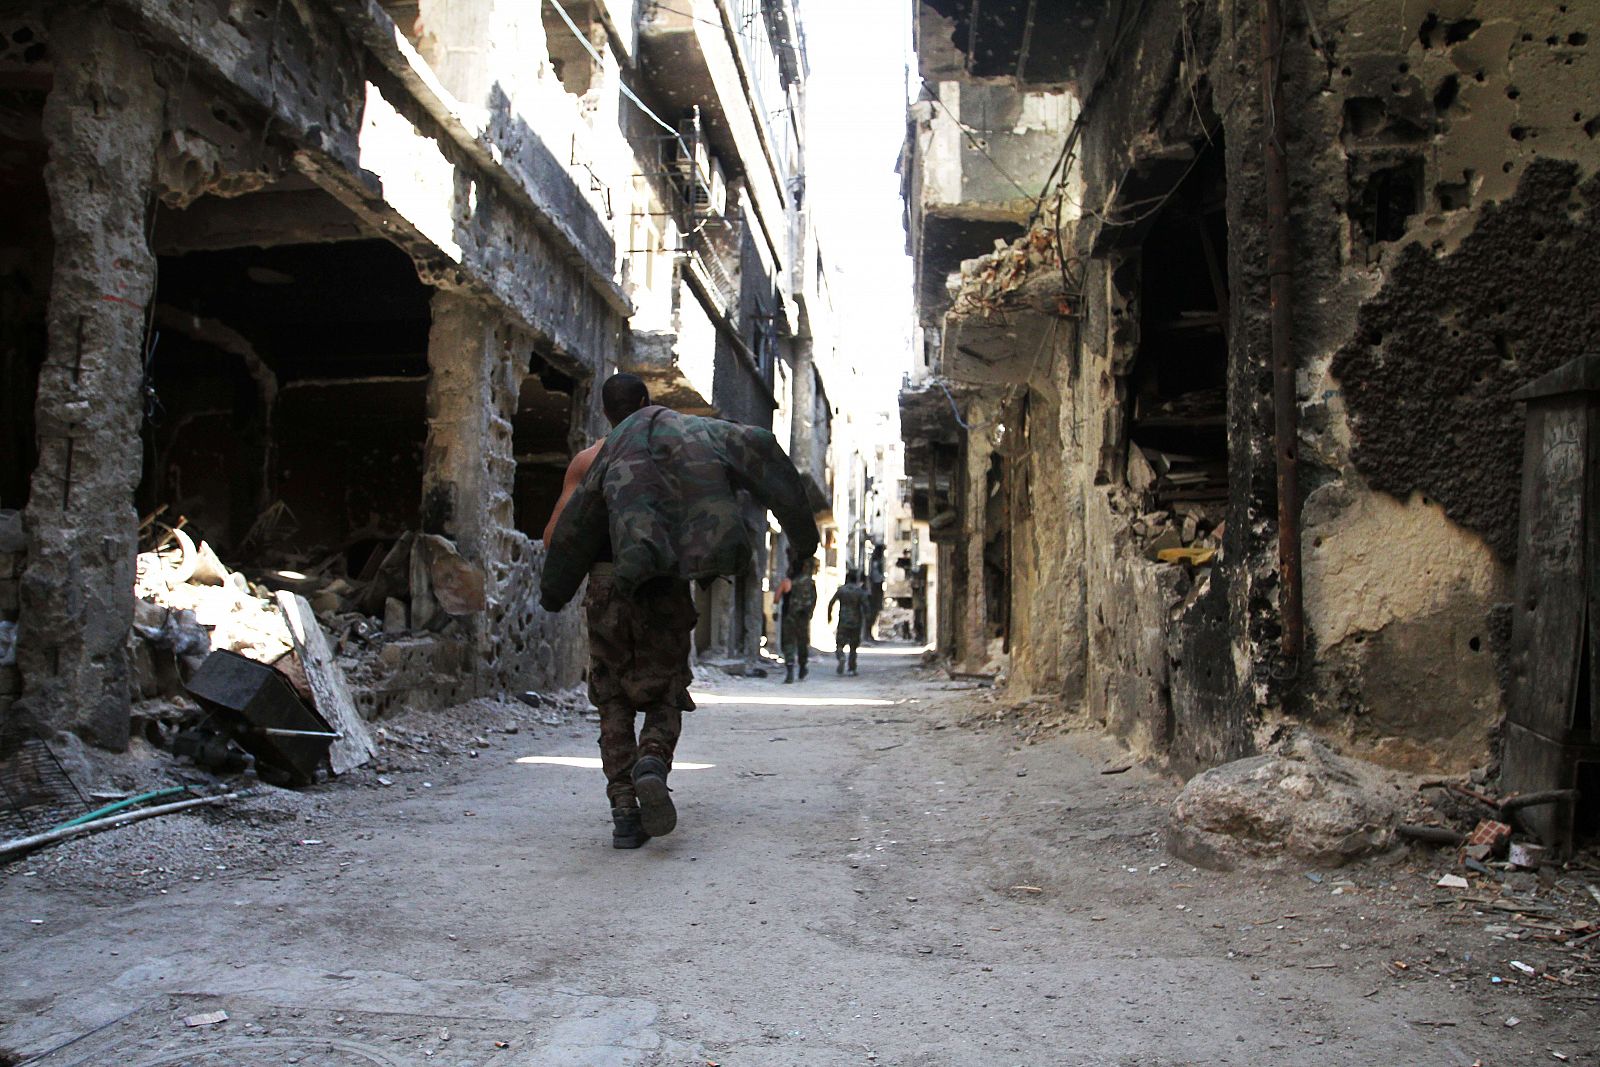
{"type": "Point", "coordinates": [797, 599]}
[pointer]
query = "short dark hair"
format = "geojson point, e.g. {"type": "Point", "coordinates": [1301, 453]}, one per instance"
{"type": "Point", "coordinates": [622, 395]}
{"type": "Point", "coordinates": [852, 575]}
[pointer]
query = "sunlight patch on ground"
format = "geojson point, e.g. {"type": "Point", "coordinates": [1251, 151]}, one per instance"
{"type": "Point", "coordinates": [592, 763]}
{"type": "Point", "coordinates": [892, 650]}
{"type": "Point", "coordinates": [791, 702]}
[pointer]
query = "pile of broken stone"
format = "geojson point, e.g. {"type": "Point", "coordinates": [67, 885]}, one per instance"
{"type": "Point", "coordinates": [1024, 273]}
{"type": "Point", "coordinates": [190, 604]}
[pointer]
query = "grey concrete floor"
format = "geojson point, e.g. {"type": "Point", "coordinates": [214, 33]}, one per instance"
{"type": "Point", "coordinates": [859, 876]}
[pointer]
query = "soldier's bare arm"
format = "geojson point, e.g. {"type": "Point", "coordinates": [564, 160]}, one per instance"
{"type": "Point", "coordinates": [575, 471]}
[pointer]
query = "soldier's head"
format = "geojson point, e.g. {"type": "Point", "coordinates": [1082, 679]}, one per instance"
{"type": "Point", "coordinates": [622, 395]}
{"type": "Point", "coordinates": [852, 576]}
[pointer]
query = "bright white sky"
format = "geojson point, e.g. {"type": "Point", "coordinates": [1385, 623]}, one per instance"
{"type": "Point", "coordinates": [856, 100]}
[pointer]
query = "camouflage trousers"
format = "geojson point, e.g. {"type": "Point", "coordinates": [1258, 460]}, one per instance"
{"type": "Point", "coordinates": [796, 638]}
{"type": "Point", "coordinates": [638, 662]}
{"type": "Point", "coordinates": [847, 637]}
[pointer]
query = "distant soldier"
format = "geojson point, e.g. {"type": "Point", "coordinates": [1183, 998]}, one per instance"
{"type": "Point", "coordinates": [650, 508]}
{"type": "Point", "coordinates": [875, 581]}
{"type": "Point", "coordinates": [852, 601]}
{"type": "Point", "coordinates": [799, 600]}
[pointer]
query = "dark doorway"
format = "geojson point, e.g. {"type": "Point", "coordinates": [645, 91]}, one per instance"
{"type": "Point", "coordinates": [1177, 387]}
{"type": "Point", "coordinates": [26, 249]}
{"type": "Point", "coordinates": [287, 384]}
{"type": "Point", "coordinates": [541, 437]}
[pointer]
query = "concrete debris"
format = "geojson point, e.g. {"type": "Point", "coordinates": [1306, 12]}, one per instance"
{"type": "Point", "coordinates": [354, 746]}
{"type": "Point", "coordinates": [1025, 273]}
{"type": "Point", "coordinates": [1303, 804]}
{"type": "Point", "coordinates": [457, 584]}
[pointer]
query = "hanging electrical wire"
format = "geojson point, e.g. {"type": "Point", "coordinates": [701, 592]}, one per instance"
{"type": "Point", "coordinates": [627, 92]}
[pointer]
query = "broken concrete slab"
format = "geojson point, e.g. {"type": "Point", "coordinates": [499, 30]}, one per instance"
{"type": "Point", "coordinates": [333, 700]}
{"type": "Point", "coordinates": [1303, 804]}
{"type": "Point", "coordinates": [457, 583]}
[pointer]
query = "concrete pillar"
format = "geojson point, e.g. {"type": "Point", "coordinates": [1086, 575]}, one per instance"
{"type": "Point", "coordinates": [972, 620]}
{"type": "Point", "coordinates": [468, 464]}
{"type": "Point", "coordinates": [103, 120]}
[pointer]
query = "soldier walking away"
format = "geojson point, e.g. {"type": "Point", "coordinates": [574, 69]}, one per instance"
{"type": "Point", "coordinates": [875, 580]}
{"type": "Point", "coordinates": [852, 601]}
{"type": "Point", "coordinates": [639, 649]}
{"type": "Point", "coordinates": [799, 593]}
{"type": "Point", "coordinates": [651, 507]}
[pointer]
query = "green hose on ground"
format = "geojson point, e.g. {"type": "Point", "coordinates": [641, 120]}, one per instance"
{"type": "Point", "coordinates": [119, 805]}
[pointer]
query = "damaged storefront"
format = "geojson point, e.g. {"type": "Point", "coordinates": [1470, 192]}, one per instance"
{"type": "Point", "coordinates": [269, 341]}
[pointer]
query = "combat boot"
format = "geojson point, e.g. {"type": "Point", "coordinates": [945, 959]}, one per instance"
{"type": "Point", "coordinates": [625, 829]}
{"type": "Point", "coordinates": [788, 674]}
{"type": "Point", "coordinates": [802, 670]}
{"type": "Point", "coordinates": [656, 813]}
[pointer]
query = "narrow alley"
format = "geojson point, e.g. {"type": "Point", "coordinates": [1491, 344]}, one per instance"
{"type": "Point", "coordinates": [429, 427]}
{"type": "Point", "coordinates": [890, 869]}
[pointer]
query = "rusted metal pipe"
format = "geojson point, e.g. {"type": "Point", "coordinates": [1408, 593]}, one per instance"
{"type": "Point", "coordinates": [1280, 274]}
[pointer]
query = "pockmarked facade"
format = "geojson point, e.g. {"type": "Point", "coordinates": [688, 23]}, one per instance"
{"type": "Point", "coordinates": [1223, 307]}
{"type": "Point", "coordinates": [324, 290]}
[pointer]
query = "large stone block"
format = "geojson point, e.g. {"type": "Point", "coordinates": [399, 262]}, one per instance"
{"type": "Point", "coordinates": [1303, 805]}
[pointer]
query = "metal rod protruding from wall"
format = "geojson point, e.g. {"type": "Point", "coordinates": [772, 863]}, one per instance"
{"type": "Point", "coordinates": [1280, 272]}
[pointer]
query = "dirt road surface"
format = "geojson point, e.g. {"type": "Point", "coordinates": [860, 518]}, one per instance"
{"type": "Point", "coordinates": [866, 871]}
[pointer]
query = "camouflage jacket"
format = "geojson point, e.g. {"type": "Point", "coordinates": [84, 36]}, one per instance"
{"type": "Point", "coordinates": [664, 490]}
{"type": "Point", "coordinates": [801, 599]}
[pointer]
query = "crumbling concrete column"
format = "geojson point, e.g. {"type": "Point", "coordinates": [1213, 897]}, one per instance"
{"type": "Point", "coordinates": [102, 119]}
{"type": "Point", "coordinates": [468, 463]}
{"type": "Point", "coordinates": [972, 621]}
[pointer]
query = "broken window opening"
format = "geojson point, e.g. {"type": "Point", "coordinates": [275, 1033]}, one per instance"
{"type": "Point", "coordinates": [26, 254]}
{"type": "Point", "coordinates": [285, 421]}
{"type": "Point", "coordinates": [1383, 203]}
{"type": "Point", "coordinates": [572, 64]}
{"type": "Point", "coordinates": [1177, 406]}
{"type": "Point", "coordinates": [541, 435]}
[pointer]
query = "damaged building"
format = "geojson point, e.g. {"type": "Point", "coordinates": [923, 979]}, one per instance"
{"type": "Point", "coordinates": [1225, 310]}
{"type": "Point", "coordinates": [316, 297]}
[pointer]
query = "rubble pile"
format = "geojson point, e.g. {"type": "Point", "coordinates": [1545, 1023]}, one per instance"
{"type": "Point", "coordinates": [306, 626]}
{"type": "Point", "coordinates": [1025, 273]}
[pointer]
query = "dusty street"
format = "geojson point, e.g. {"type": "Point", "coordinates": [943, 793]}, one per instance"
{"type": "Point", "coordinates": [873, 872]}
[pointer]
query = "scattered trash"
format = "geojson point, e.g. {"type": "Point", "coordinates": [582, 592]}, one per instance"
{"type": "Point", "coordinates": [1527, 856]}
{"type": "Point", "coordinates": [1524, 968]}
{"type": "Point", "coordinates": [1453, 881]}
{"type": "Point", "coordinates": [1120, 768]}
{"type": "Point", "coordinates": [1491, 833]}
{"type": "Point", "coordinates": [208, 1018]}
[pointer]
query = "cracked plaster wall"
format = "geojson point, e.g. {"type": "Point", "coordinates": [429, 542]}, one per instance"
{"type": "Point", "coordinates": [1443, 218]}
